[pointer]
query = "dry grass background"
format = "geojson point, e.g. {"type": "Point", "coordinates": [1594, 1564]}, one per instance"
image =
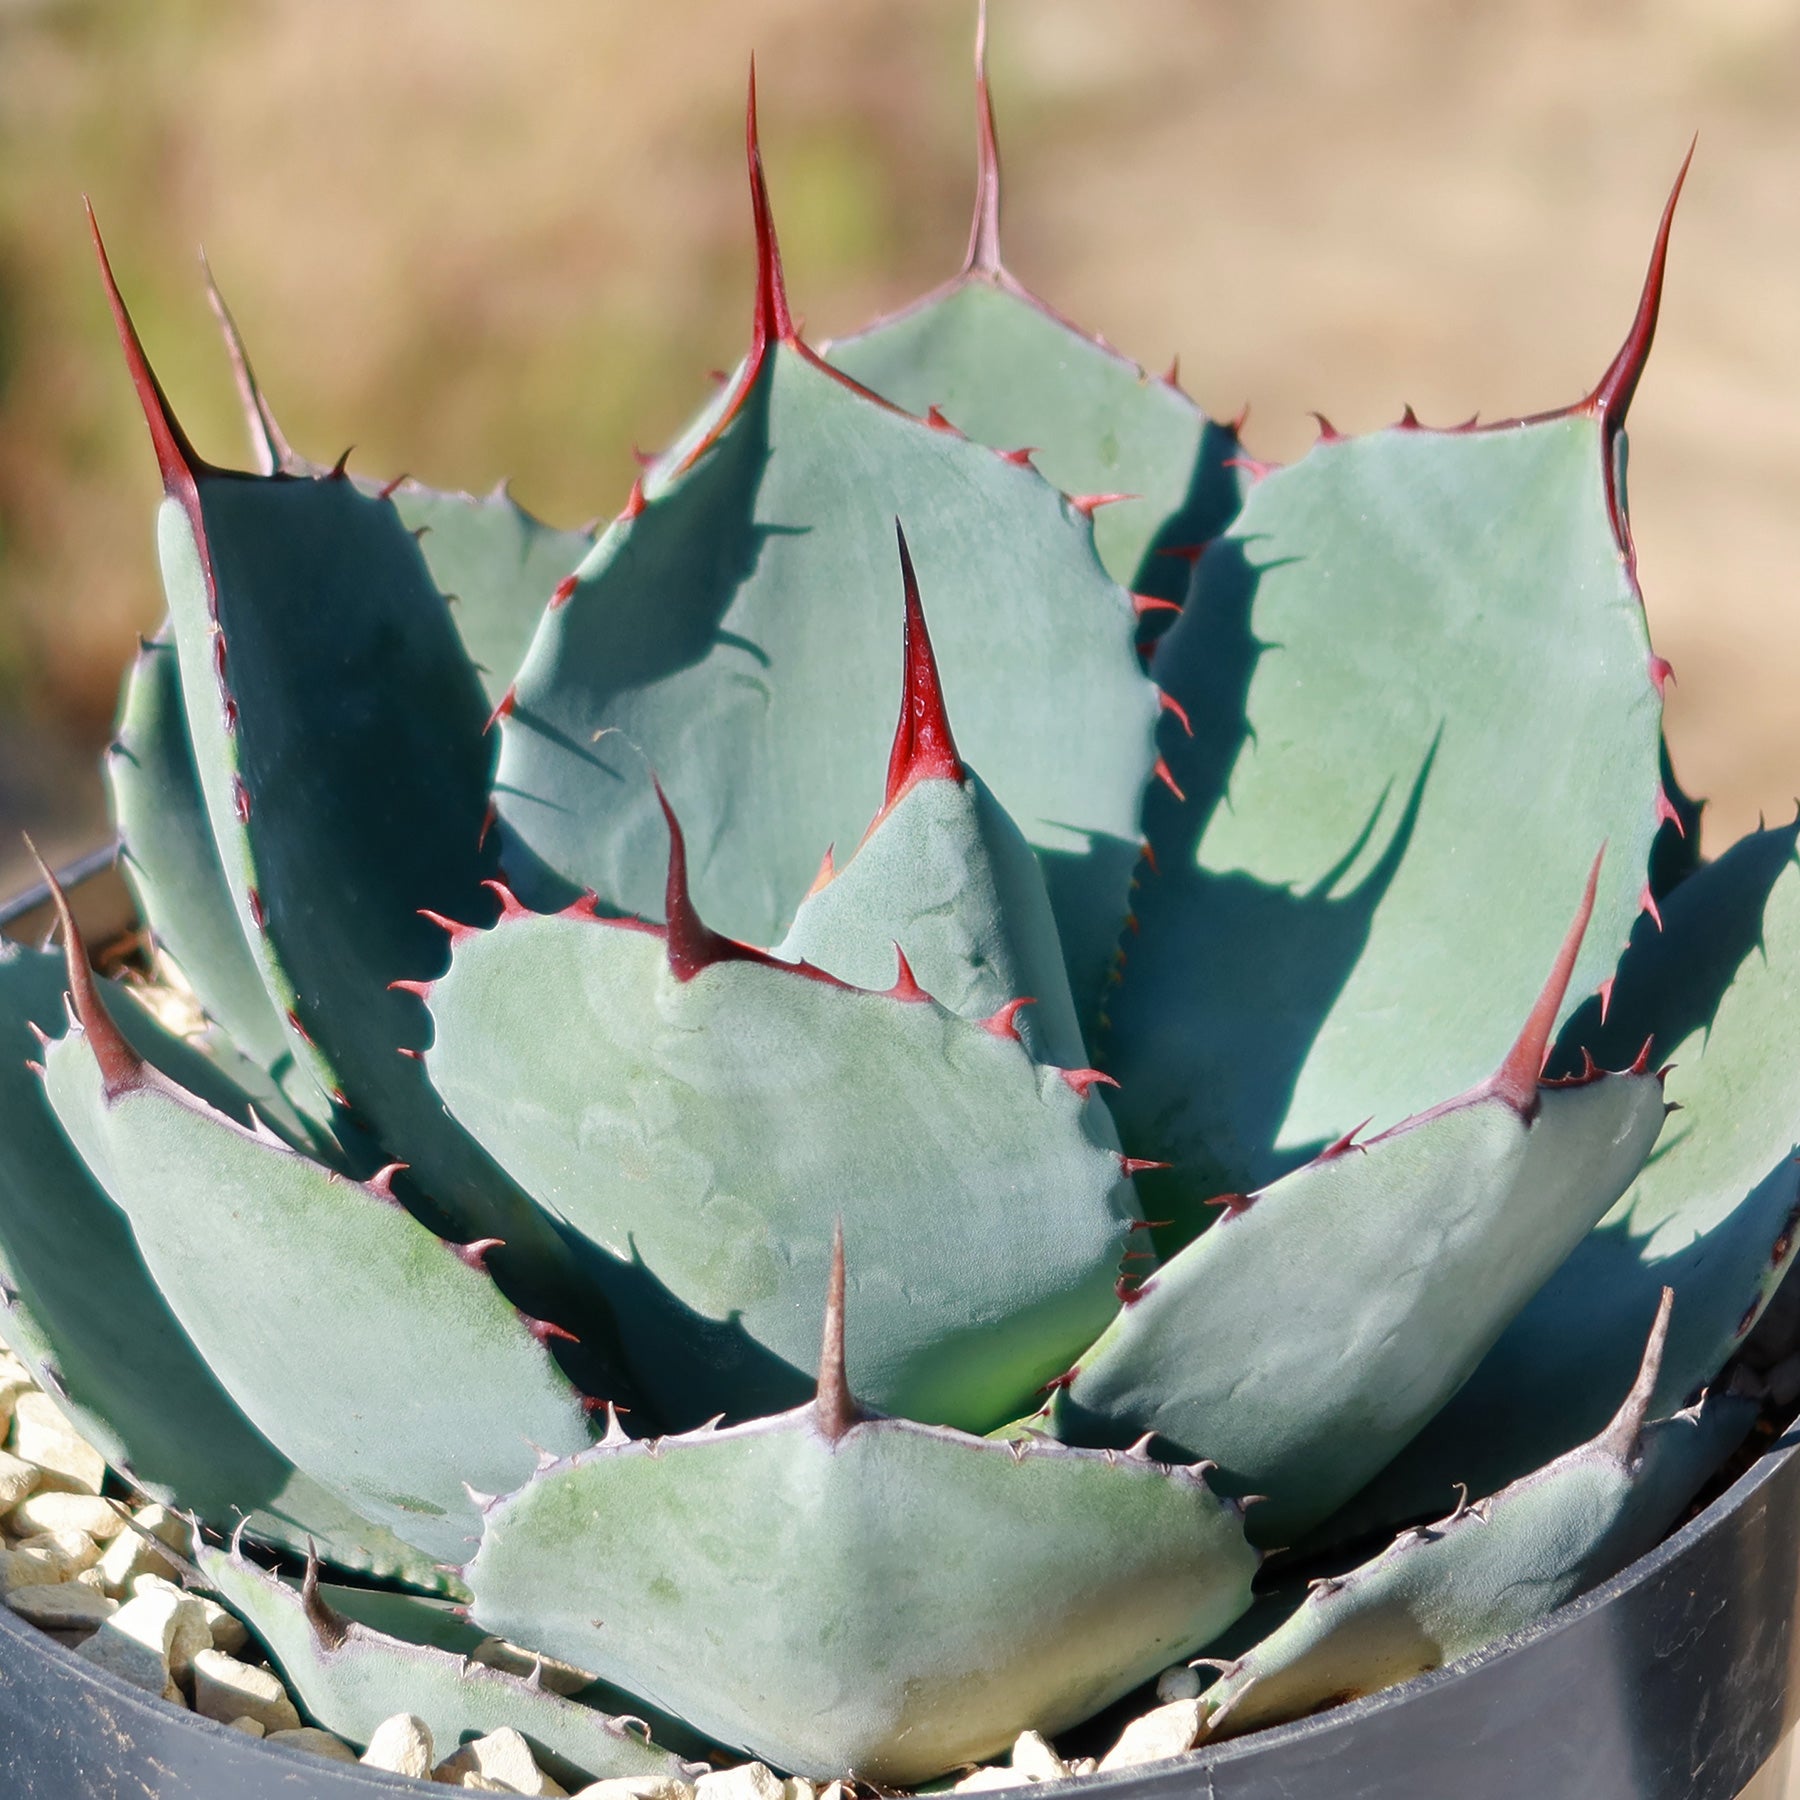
{"type": "Point", "coordinates": [478, 240]}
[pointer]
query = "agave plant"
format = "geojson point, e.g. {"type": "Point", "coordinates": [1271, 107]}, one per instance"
{"type": "Point", "coordinates": [853, 1312]}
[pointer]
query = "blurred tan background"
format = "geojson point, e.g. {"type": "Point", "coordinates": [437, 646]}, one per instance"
{"type": "Point", "coordinates": [478, 241]}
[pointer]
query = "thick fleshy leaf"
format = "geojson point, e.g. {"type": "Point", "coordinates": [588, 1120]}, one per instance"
{"type": "Point", "coordinates": [348, 1677]}
{"type": "Point", "coordinates": [172, 863]}
{"type": "Point", "coordinates": [367, 1350]}
{"type": "Point", "coordinates": [736, 627]}
{"type": "Point", "coordinates": [1316, 1328]}
{"type": "Point", "coordinates": [824, 1597]}
{"type": "Point", "coordinates": [704, 1114]}
{"type": "Point", "coordinates": [83, 1311]}
{"type": "Point", "coordinates": [1716, 993]}
{"type": "Point", "coordinates": [946, 876]}
{"type": "Point", "coordinates": [1012, 373]}
{"type": "Point", "coordinates": [336, 725]}
{"type": "Point", "coordinates": [1422, 693]}
{"type": "Point", "coordinates": [1444, 1591]}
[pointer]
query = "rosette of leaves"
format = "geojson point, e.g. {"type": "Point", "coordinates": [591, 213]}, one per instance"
{"type": "Point", "coordinates": [864, 1309]}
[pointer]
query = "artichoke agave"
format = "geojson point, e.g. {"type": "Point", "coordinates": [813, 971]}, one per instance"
{"type": "Point", "coordinates": [484, 1234]}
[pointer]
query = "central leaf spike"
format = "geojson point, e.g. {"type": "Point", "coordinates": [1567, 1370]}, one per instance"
{"type": "Point", "coordinates": [924, 749]}
{"type": "Point", "coordinates": [835, 1409]}
{"type": "Point", "coordinates": [773, 322]}
{"type": "Point", "coordinates": [983, 256]}
{"type": "Point", "coordinates": [121, 1068]}
{"type": "Point", "coordinates": [1516, 1080]}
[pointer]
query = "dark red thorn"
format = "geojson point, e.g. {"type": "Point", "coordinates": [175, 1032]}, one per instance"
{"type": "Point", "coordinates": [1148, 852]}
{"type": "Point", "coordinates": [1127, 1295]}
{"type": "Point", "coordinates": [299, 1030]}
{"type": "Point", "coordinates": [1662, 672]}
{"type": "Point", "coordinates": [1170, 704]}
{"type": "Point", "coordinates": [1083, 1080]}
{"type": "Point", "coordinates": [511, 907]}
{"type": "Point", "coordinates": [634, 501]}
{"type": "Point", "coordinates": [1139, 1165]}
{"type": "Point", "coordinates": [906, 987]}
{"type": "Point", "coordinates": [772, 323]}
{"type": "Point", "coordinates": [1147, 1224]}
{"type": "Point", "coordinates": [1342, 1146]}
{"type": "Point", "coordinates": [1328, 432]}
{"type": "Point", "coordinates": [1058, 1382]}
{"type": "Point", "coordinates": [1089, 504]}
{"type": "Point", "coordinates": [1232, 1206]}
{"type": "Point", "coordinates": [1236, 423]}
{"type": "Point", "coordinates": [718, 377]}
{"type": "Point", "coordinates": [1166, 776]}
{"type": "Point", "coordinates": [1005, 1022]}
{"type": "Point", "coordinates": [254, 902]}
{"type": "Point", "coordinates": [1133, 923]}
{"type": "Point", "coordinates": [489, 819]}
{"type": "Point", "coordinates": [340, 470]}
{"type": "Point", "coordinates": [645, 459]}
{"type": "Point", "coordinates": [936, 420]}
{"type": "Point", "coordinates": [388, 489]}
{"type": "Point", "coordinates": [502, 708]}
{"type": "Point", "coordinates": [1409, 420]}
{"type": "Point", "coordinates": [218, 656]}
{"type": "Point", "coordinates": [420, 989]}
{"type": "Point", "coordinates": [1149, 603]}
{"type": "Point", "coordinates": [1516, 1080]}
{"type": "Point", "coordinates": [1187, 553]}
{"type": "Point", "coordinates": [545, 1331]}
{"type": "Point", "coordinates": [231, 716]}
{"type": "Point", "coordinates": [240, 800]}
{"type": "Point", "coordinates": [381, 1183]}
{"type": "Point", "coordinates": [1666, 813]}
{"type": "Point", "coordinates": [562, 593]}
{"type": "Point", "coordinates": [476, 1253]}
{"type": "Point", "coordinates": [1647, 903]}
{"type": "Point", "coordinates": [924, 749]}
{"type": "Point", "coordinates": [1021, 457]}
{"type": "Point", "coordinates": [121, 1068]}
{"type": "Point", "coordinates": [1640, 1064]}
{"type": "Point", "coordinates": [1590, 1071]}
{"type": "Point", "coordinates": [1252, 466]}
{"type": "Point", "coordinates": [827, 872]}
{"type": "Point", "coordinates": [454, 929]}
{"type": "Point", "coordinates": [983, 255]}
{"type": "Point", "coordinates": [1612, 395]}
{"type": "Point", "coordinates": [1606, 993]}
{"type": "Point", "coordinates": [175, 458]}
{"type": "Point", "coordinates": [1172, 374]}
{"type": "Point", "coordinates": [417, 1056]}
{"type": "Point", "coordinates": [834, 1407]}
{"type": "Point", "coordinates": [692, 944]}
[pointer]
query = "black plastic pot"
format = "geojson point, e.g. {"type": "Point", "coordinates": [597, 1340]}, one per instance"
{"type": "Point", "coordinates": [1675, 1681]}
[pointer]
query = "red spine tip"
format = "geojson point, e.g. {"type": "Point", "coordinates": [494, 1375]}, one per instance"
{"type": "Point", "coordinates": [1005, 1022]}
{"type": "Point", "coordinates": [1612, 395]}
{"type": "Point", "coordinates": [1021, 457]}
{"type": "Point", "coordinates": [1516, 1080]}
{"type": "Point", "coordinates": [1084, 1081]}
{"type": "Point", "coordinates": [1666, 813]}
{"type": "Point", "coordinates": [773, 322]}
{"type": "Point", "coordinates": [1328, 432]}
{"type": "Point", "coordinates": [827, 872]}
{"type": "Point", "coordinates": [489, 819]}
{"type": "Point", "coordinates": [546, 1332]}
{"type": "Point", "coordinates": [253, 902]}
{"type": "Point", "coordinates": [340, 470]}
{"type": "Point", "coordinates": [906, 987]}
{"type": "Point", "coordinates": [1344, 1145]}
{"type": "Point", "coordinates": [1140, 1165]}
{"type": "Point", "coordinates": [1171, 705]}
{"type": "Point", "coordinates": [1187, 553]}
{"type": "Point", "coordinates": [381, 1183]}
{"type": "Point", "coordinates": [1254, 467]}
{"type": "Point", "coordinates": [1128, 1295]}
{"type": "Point", "coordinates": [175, 458]}
{"type": "Point", "coordinates": [240, 800]}
{"type": "Point", "coordinates": [634, 501]}
{"type": "Point", "coordinates": [511, 907]}
{"type": "Point", "coordinates": [419, 989]}
{"type": "Point", "coordinates": [503, 708]}
{"type": "Point", "coordinates": [935, 419]}
{"type": "Point", "coordinates": [1662, 672]}
{"type": "Point", "coordinates": [562, 593]}
{"type": "Point", "coordinates": [411, 1055]}
{"type": "Point", "coordinates": [475, 1253]}
{"type": "Point", "coordinates": [983, 254]}
{"type": "Point", "coordinates": [1089, 504]}
{"type": "Point", "coordinates": [454, 929]}
{"type": "Point", "coordinates": [1172, 374]}
{"type": "Point", "coordinates": [1148, 852]}
{"type": "Point", "coordinates": [1647, 903]}
{"type": "Point", "coordinates": [645, 459]}
{"type": "Point", "coordinates": [924, 749]}
{"type": "Point", "coordinates": [387, 489]}
{"type": "Point", "coordinates": [1606, 992]}
{"type": "Point", "coordinates": [1231, 1206]}
{"type": "Point", "coordinates": [1166, 776]}
{"type": "Point", "coordinates": [1409, 420]}
{"type": "Point", "coordinates": [1149, 603]}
